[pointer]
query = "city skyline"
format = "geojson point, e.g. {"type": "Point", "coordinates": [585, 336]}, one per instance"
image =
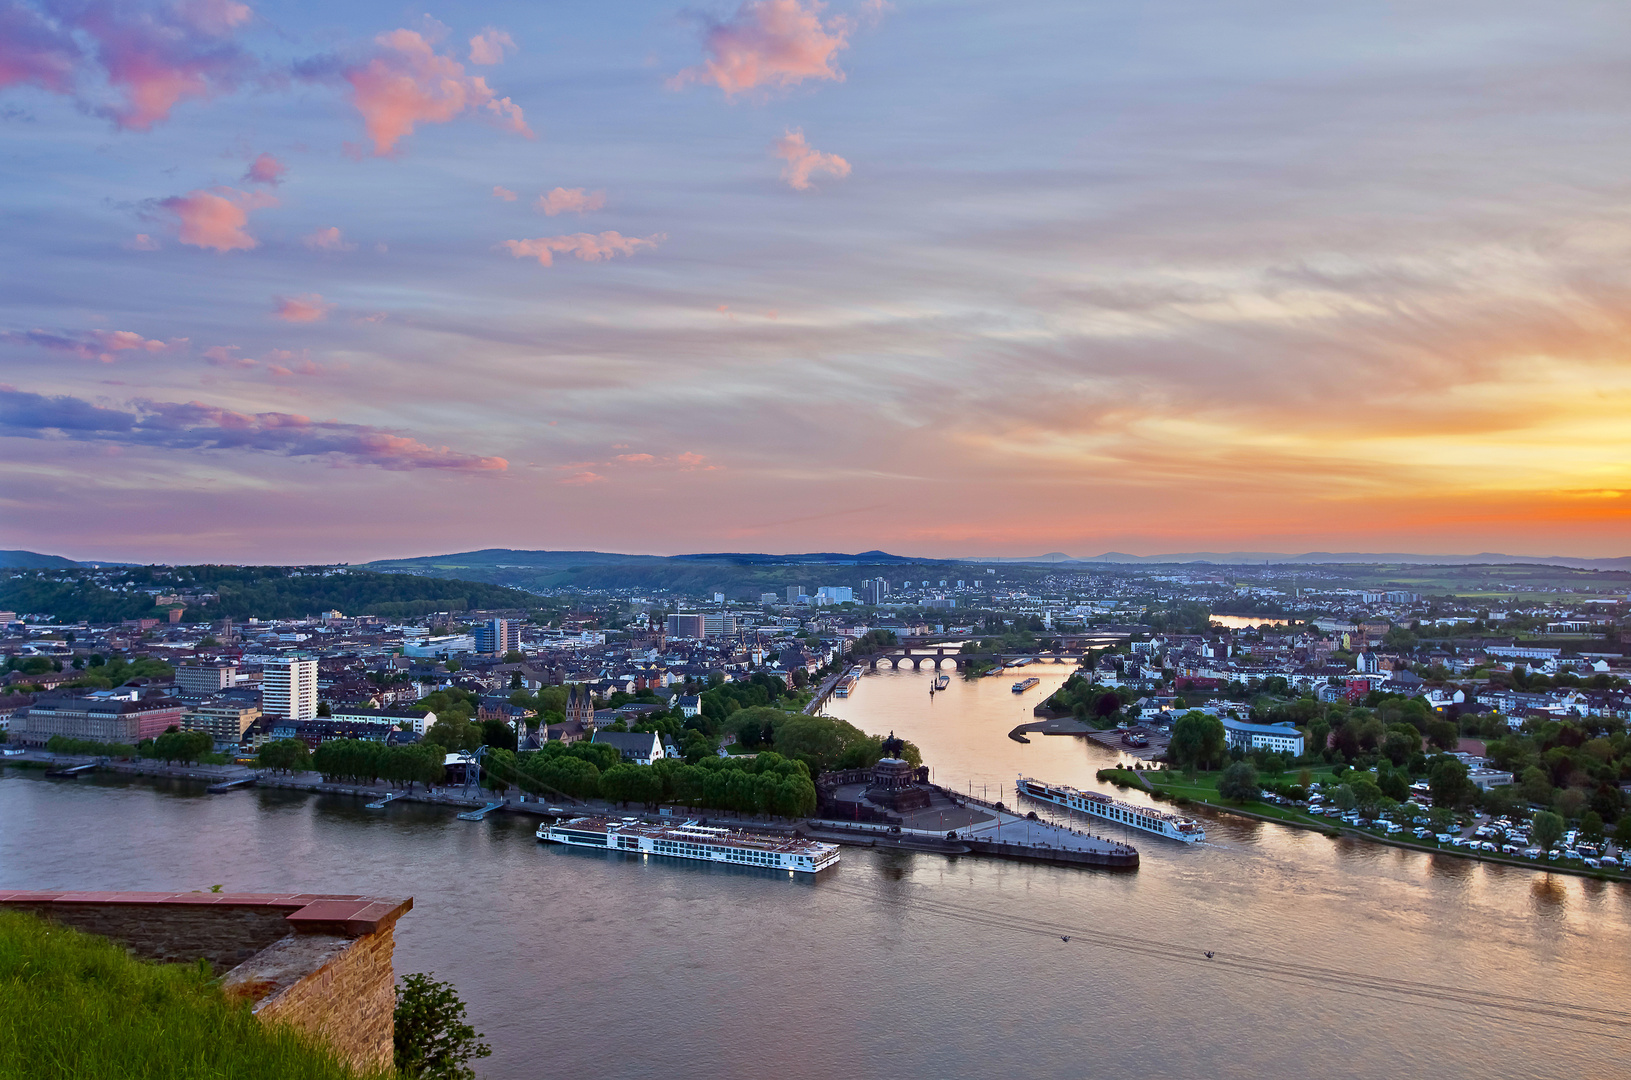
{"type": "Point", "coordinates": [286, 284]}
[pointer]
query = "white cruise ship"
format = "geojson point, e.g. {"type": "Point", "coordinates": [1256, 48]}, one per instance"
{"type": "Point", "coordinates": [693, 841]}
{"type": "Point", "coordinates": [1098, 804]}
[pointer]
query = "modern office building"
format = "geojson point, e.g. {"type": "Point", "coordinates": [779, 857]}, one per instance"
{"type": "Point", "coordinates": [203, 680]}
{"type": "Point", "coordinates": [225, 721]}
{"type": "Point", "coordinates": [684, 624]}
{"type": "Point", "coordinates": [496, 636]}
{"type": "Point", "coordinates": [718, 624]}
{"type": "Point", "coordinates": [874, 591]}
{"type": "Point", "coordinates": [289, 688]}
{"type": "Point", "coordinates": [795, 593]}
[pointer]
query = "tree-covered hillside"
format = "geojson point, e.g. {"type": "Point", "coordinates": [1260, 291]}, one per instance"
{"type": "Point", "coordinates": [739, 576]}
{"type": "Point", "coordinates": [267, 592]}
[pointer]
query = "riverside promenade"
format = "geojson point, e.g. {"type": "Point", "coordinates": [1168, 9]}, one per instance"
{"type": "Point", "coordinates": [979, 827]}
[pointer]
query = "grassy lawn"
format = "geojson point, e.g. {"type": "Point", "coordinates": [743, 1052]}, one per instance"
{"type": "Point", "coordinates": [1204, 788]}
{"type": "Point", "coordinates": [77, 1006]}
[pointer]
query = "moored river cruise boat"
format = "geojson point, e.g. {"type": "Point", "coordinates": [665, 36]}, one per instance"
{"type": "Point", "coordinates": [693, 841]}
{"type": "Point", "coordinates": [1097, 804]}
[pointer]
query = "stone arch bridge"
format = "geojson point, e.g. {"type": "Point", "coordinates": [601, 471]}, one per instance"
{"type": "Point", "coordinates": [937, 658]}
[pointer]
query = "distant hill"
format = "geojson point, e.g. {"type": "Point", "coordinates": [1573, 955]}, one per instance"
{"type": "Point", "coordinates": [33, 560]}
{"type": "Point", "coordinates": [1352, 558]}
{"type": "Point", "coordinates": [268, 592]}
{"type": "Point", "coordinates": [739, 575]}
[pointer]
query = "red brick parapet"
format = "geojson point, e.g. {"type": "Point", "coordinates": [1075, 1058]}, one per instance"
{"type": "Point", "coordinates": [319, 962]}
{"type": "Point", "coordinates": [305, 913]}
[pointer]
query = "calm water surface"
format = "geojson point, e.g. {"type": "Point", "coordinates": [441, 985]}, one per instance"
{"type": "Point", "coordinates": [1333, 959]}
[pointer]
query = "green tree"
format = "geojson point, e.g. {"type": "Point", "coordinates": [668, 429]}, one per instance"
{"type": "Point", "coordinates": [1536, 786]}
{"type": "Point", "coordinates": [433, 1040]}
{"type": "Point", "coordinates": [1344, 798]}
{"type": "Point", "coordinates": [283, 755]}
{"type": "Point", "coordinates": [1367, 796]}
{"type": "Point", "coordinates": [1545, 830]}
{"type": "Point", "coordinates": [1239, 782]}
{"type": "Point", "coordinates": [1448, 784]}
{"type": "Point", "coordinates": [1591, 826]}
{"type": "Point", "coordinates": [1198, 741]}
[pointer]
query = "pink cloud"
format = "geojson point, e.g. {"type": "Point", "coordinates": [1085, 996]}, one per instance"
{"type": "Point", "coordinates": [218, 218]}
{"type": "Point", "coordinates": [143, 242]}
{"type": "Point", "coordinates": [488, 47]}
{"type": "Point", "coordinates": [503, 193]}
{"type": "Point", "coordinates": [802, 160]}
{"type": "Point", "coordinates": [769, 43]}
{"type": "Point", "coordinates": [329, 239]}
{"type": "Point", "coordinates": [151, 56]}
{"type": "Point", "coordinates": [265, 169]}
{"type": "Point", "coordinates": [156, 57]}
{"type": "Point", "coordinates": [195, 425]}
{"type": "Point", "coordinates": [570, 200]}
{"type": "Point", "coordinates": [582, 478]}
{"type": "Point", "coordinates": [35, 51]}
{"type": "Point", "coordinates": [103, 345]}
{"type": "Point", "coordinates": [409, 83]}
{"type": "Point", "coordinates": [215, 16]}
{"type": "Point", "coordinates": [635, 459]}
{"type": "Point", "coordinates": [590, 247]}
{"type": "Point", "coordinates": [307, 307]}
{"type": "Point", "coordinates": [227, 356]}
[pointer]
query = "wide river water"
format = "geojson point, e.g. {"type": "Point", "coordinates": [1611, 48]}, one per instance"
{"type": "Point", "coordinates": [1331, 958]}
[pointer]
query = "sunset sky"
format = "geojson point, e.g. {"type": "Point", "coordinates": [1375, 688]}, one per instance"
{"type": "Point", "coordinates": [299, 282]}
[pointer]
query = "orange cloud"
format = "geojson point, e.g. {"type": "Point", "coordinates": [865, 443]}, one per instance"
{"type": "Point", "coordinates": [570, 200]}
{"type": "Point", "coordinates": [802, 160]}
{"type": "Point", "coordinates": [769, 43]}
{"type": "Point", "coordinates": [488, 47]}
{"type": "Point", "coordinates": [329, 239]}
{"type": "Point", "coordinates": [265, 169]}
{"type": "Point", "coordinates": [582, 478]}
{"type": "Point", "coordinates": [503, 193]}
{"type": "Point", "coordinates": [305, 308]}
{"type": "Point", "coordinates": [217, 219]}
{"type": "Point", "coordinates": [590, 247]}
{"type": "Point", "coordinates": [409, 83]}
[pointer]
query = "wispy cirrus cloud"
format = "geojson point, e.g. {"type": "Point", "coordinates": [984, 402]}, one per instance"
{"type": "Point", "coordinates": [590, 247]}
{"type": "Point", "coordinates": [803, 159]}
{"type": "Point", "coordinates": [489, 46]}
{"type": "Point", "coordinates": [773, 44]}
{"type": "Point", "coordinates": [103, 345]}
{"type": "Point", "coordinates": [305, 308]}
{"type": "Point", "coordinates": [407, 82]}
{"type": "Point", "coordinates": [570, 201]}
{"type": "Point", "coordinates": [195, 425]}
{"type": "Point", "coordinates": [218, 218]}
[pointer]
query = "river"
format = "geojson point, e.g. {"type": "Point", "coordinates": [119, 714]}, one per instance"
{"type": "Point", "coordinates": [1331, 958]}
